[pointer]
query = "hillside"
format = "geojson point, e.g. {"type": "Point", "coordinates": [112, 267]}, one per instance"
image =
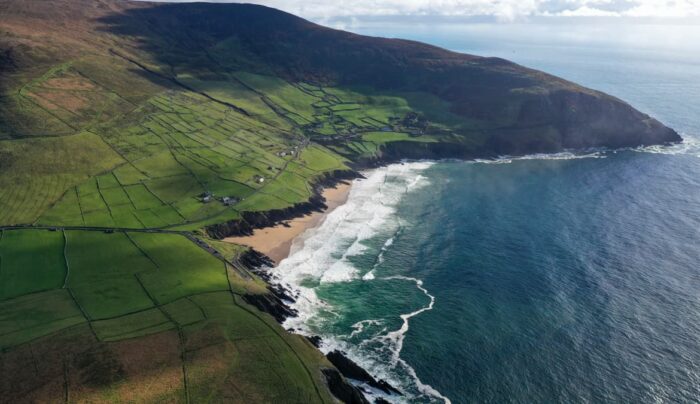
{"type": "Point", "coordinates": [134, 135]}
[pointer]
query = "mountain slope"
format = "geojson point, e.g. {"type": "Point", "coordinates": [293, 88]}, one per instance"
{"type": "Point", "coordinates": [509, 102]}
{"type": "Point", "coordinates": [517, 109]}
{"type": "Point", "coordinates": [132, 134]}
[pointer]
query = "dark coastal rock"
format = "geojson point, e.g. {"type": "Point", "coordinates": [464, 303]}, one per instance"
{"type": "Point", "coordinates": [271, 304]}
{"type": "Point", "coordinates": [274, 304]}
{"type": "Point", "coordinates": [353, 371]}
{"type": "Point", "coordinates": [255, 260]}
{"type": "Point", "coordinates": [343, 389]}
{"type": "Point", "coordinates": [282, 293]}
{"type": "Point", "coordinates": [315, 340]}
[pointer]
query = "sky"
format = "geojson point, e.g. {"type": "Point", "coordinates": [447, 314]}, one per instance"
{"type": "Point", "coordinates": [501, 10]}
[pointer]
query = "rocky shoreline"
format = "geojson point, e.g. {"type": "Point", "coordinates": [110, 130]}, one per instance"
{"type": "Point", "coordinates": [338, 379]}
{"type": "Point", "coordinates": [251, 221]}
{"type": "Point", "coordinates": [391, 153]}
{"type": "Point", "coordinates": [273, 303]}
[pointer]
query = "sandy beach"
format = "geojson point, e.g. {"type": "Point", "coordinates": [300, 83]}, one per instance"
{"type": "Point", "coordinates": [275, 242]}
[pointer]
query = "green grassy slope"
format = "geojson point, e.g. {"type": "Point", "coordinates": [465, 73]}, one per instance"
{"type": "Point", "coordinates": [131, 288]}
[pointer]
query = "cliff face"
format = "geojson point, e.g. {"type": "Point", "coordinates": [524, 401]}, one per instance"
{"type": "Point", "coordinates": [585, 120]}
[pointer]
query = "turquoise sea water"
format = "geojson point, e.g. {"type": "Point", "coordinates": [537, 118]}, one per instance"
{"type": "Point", "coordinates": [572, 277]}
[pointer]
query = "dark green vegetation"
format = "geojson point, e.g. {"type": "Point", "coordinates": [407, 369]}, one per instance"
{"type": "Point", "coordinates": [127, 127]}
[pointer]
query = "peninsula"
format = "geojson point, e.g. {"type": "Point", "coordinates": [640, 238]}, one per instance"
{"type": "Point", "coordinates": [135, 137]}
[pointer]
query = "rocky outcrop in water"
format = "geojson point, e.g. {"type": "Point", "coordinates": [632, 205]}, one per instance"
{"type": "Point", "coordinates": [271, 304]}
{"type": "Point", "coordinates": [342, 389]}
{"type": "Point", "coordinates": [354, 371]}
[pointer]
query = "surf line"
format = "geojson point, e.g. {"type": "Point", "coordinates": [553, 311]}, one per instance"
{"type": "Point", "coordinates": [380, 257]}
{"type": "Point", "coordinates": [397, 337]}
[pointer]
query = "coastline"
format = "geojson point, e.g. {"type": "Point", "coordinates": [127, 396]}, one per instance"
{"type": "Point", "coordinates": [373, 202]}
{"type": "Point", "coordinates": [275, 242]}
{"type": "Point", "coordinates": [270, 246]}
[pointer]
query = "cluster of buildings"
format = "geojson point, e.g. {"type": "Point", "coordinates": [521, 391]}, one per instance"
{"type": "Point", "coordinates": [226, 200]}
{"type": "Point", "coordinates": [292, 152]}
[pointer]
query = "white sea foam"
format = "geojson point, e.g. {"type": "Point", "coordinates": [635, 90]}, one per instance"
{"type": "Point", "coordinates": [397, 337]}
{"type": "Point", "coordinates": [323, 255]}
{"type": "Point", "coordinates": [359, 326]}
{"type": "Point", "coordinates": [690, 146]}
{"type": "Point", "coordinates": [380, 257]}
{"type": "Point", "coordinates": [567, 155]}
{"type": "Point", "coordinates": [391, 341]}
{"type": "Point", "coordinates": [369, 276]}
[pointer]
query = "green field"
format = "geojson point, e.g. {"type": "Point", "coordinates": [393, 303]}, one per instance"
{"type": "Point", "coordinates": [147, 166]}
{"type": "Point", "coordinates": [126, 283]}
{"type": "Point", "coordinates": [187, 146]}
{"type": "Point", "coordinates": [103, 273]}
{"type": "Point", "coordinates": [31, 262]}
{"type": "Point", "coordinates": [183, 268]}
{"type": "Point", "coordinates": [34, 315]}
{"type": "Point", "coordinates": [387, 137]}
{"type": "Point", "coordinates": [131, 288]}
{"type": "Point", "coordinates": [37, 172]}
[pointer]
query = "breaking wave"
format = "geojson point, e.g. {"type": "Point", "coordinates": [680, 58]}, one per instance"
{"type": "Point", "coordinates": [324, 255]}
{"type": "Point", "coordinates": [593, 154]}
{"type": "Point", "coordinates": [690, 146]}
{"type": "Point", "coordinates": [328, 255]}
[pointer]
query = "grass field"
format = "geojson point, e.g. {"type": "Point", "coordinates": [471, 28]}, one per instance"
{"type": "Point", "coordinates": [183, 268]}
{"type": "Point", "coordinates": [103, 269]}
{"type": "Point", "coordinates": [387, 137]}
{"type": "Point", "coordinates": [30, 262]}
{"type": "Point", "coordinates": [147, 166]}
{"type": "Point", "coordinates": [144, 302]}
{"type": "Point", "coordinates": [186, 146]}
{"type": "Point", "coordinates": [36, 173]}
{"type": "Point", "coordinates": [122, 283]}
{"type": "Point", "coordinates": [34, 315]}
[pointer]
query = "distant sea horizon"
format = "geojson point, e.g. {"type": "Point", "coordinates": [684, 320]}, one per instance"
{"type": "Point", "coordinates": [568, 277]}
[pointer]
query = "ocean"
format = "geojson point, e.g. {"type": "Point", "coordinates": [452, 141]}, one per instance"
{"type": "Point", "coordinates": [572, 277]}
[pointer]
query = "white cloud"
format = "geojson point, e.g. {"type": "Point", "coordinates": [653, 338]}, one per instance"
{"type": "Point", "coordinates": [501, 9]}
{"type": "Point", "coordinates": [666, 8]}
{"type": "Point", "coordinates": [584, 11]}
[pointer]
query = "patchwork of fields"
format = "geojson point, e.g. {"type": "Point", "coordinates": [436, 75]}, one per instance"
{"type": "Point", "coordinates": [104, 272]}
{"type": "Point", "coordinates": [186, 147]}
{"type": "Point", "coordinates": [248, 139]}
{"type": "Point", "coordinates": [111, 287]}
{"type": "Point", "coordinates": [119, 283]}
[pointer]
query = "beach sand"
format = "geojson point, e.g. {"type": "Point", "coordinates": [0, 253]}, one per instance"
{"type": "Point", "coordinates": [275, 242]}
